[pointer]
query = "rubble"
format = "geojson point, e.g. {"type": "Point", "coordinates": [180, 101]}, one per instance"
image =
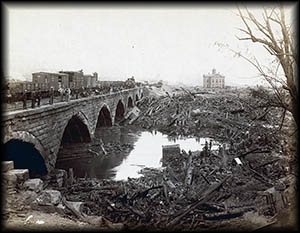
{"type": "Point", "coordinates": [21, 174]}
{"type": "Point", "coordinates": [49, 197]}
{"type": "Point", "coordinates": [7, 166]}
{"type": "Point", "coordinates": [246, 177]}
{"type": "Point", "coordinates": [34, 184]}
{"type": "Point", "coordinates": [9, 180]}
{"type": "Point", "coordinates": [195, 189]}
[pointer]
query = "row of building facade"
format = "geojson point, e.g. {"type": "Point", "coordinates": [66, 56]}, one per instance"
{"type": "Point", "coordinates": [66, 79]}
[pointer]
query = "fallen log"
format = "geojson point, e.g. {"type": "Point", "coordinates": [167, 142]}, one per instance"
{"type": "Point", "coordinates": [193, 206]}
{"type": "Point", "coordinates": [262, 117]}
{"type": "Point", "coordinates": [189, 170]}
{"type": "Point", "coordinates": [255, 150]}
{"type": "Point", "coordinates": [189, 93]}
{"type": "Point", "coordinates": [88, 189]}
{"type": "Point", "coordinates": [266, 163]}
{"type": "Point", "coordinates": [266, 180]}
{"type": "Point", "coordinates": [228, 213]}
{"type": "Point", "coordinates": [143, 194]}
{"type": "Point", "coordinates": [214, 207]}
{"type": "Point", "coordinates": [73, 210]}
{"type": "Point", "coordinates": [207, 181]}
{"type": "Point", "coordinates": [93, 152]}
{"type": "Point", "coordinates": [102, 147]}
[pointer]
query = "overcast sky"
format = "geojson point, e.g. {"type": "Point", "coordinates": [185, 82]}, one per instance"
{"type": "Point", "coordinates": [175, 44]}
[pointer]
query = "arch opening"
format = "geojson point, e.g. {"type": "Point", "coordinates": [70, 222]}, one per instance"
{"type": "Point", "coordinates": [75, 132]}
{"type": "Point", "coordinates": [130, 102]}
{"type": "Point", "coordinates": [136, 97]}
{"type": "Point", "coordinates": [120, 111]}
{"type": "Point", "coordinates": [104, 118]}
{"type": "Point", "coordinates": [25, 156]}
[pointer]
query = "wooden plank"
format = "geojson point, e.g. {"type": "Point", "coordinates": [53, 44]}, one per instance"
{"type": "Point", "coordinates": [193, 206]}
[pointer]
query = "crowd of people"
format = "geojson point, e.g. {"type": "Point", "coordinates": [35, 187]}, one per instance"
{"type": "Point", "coordinates": [66, 94]}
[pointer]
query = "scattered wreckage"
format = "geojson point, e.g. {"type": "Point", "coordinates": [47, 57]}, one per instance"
{"type": "Point", "coordinates": [193, 190]}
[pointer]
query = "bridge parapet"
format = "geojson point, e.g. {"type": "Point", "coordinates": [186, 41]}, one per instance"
{"type": "Point", "coordinates": [45, 126]}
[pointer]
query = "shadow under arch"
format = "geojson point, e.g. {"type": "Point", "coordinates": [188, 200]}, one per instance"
{"type": "Point", "coordinates": [104, 117]}
{"type": "Point", "coordinates": [76, 131]}
{"type": "Point", "coordinates": [120, 111]}
{"type": "Point", "coordinates": [26, 152]}
{"type": "Point", "coordinates": [130, 102]}
{"type": "Point", "coordinates": [76, 135]}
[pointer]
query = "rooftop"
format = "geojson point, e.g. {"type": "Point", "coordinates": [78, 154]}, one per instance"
{"type": "Point", "coordinates": [42, 72]}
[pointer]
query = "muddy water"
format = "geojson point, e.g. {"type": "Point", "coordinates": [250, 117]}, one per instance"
{"type": "Point", "coordinates": [146, 152]}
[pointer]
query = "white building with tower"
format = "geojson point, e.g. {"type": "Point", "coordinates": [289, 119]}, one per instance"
{"type": "Point", "coordinates": [213, 80]}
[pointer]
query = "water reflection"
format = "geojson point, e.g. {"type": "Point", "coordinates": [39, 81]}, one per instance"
{"type": "Point", "coordinates": [147, 152]}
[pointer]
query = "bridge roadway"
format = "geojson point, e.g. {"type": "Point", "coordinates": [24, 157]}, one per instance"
{"type": "Point", "coordinates": [48, 127]}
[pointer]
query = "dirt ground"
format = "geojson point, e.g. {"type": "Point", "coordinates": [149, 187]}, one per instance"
{"type": "Point", "coordinates": [50, 222]}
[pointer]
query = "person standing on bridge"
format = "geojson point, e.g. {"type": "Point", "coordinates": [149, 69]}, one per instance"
{"type": "Point", "coordinates": [76, 93]}
{"type": "Point", "coordinates": [24, 99]}
{"type": "Point", "coordinates": [68, 93]}
{"type": "Point", "coordinates": [33, 99]}
{"type": "Point", "coordinates": [61, 91]}
{"type": "Point", "coordinates": [51, 98]}
{"type": "Point", "coordinates": [38, 98]}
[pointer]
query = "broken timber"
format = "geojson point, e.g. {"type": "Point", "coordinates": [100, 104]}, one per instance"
{"type": "Point", "coordinates": [202, 200]}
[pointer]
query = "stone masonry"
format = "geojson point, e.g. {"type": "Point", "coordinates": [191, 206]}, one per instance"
{"type": "Point", "coordinates": [44, 127]}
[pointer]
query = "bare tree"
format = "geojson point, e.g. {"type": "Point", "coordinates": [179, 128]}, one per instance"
{"type": "Point", "coordinates": [281, 46]}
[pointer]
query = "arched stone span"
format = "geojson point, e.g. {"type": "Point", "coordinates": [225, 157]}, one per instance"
{"type": "Point", "coordinates": [76, 131]}
{"type": "Point", "coordinates": [84, 119]}
{"type": "Point", "coordinates": [120, 111]}
{"type": "Point", "coordinates": [48, 124]}
{"type": "Point", "coordinates": [104, 117]}
{"type": "Point", "coordinates": [17, 141]}
{"type": "Point", "coordinates": [130, 102]}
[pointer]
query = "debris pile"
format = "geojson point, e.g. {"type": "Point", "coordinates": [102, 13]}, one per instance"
{"type": "Point", "coordinates": [192, 191]}
{"type": "Point", "coordinates": [224, 116]}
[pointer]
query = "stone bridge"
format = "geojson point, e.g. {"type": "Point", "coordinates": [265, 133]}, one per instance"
{"type": "Point", "coordinates": [46, 128]}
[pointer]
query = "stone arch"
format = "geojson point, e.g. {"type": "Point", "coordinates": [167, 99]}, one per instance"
{"type": "Point", "coordinates": [120, 111]}
{"type": "Point", "coordinates": [23, 139]}
{"type": "Point", "coordinates": [130, 102]}
{"type": "Point", "coordinates": [84, 119]}
{"type": "Point", "coordinates": [77, 129]}
{"type": "Point", "coordinates": [104, 117]}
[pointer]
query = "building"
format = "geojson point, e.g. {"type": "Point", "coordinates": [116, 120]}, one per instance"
{"type": "Point", "coordinates": [94, 79]}
{"type": "Point", "coordinates": [214, 80]}
{"type": "Point", "coordinates": [90, 80]}
{"type": "Point", "coordinates": [65, 79]}
{"type": "Point", "coordinates": [55, 80]}
{"type": "Point", "coordinates": [76, 78]}
{"type": "Point", "coordinates": [87, 80]}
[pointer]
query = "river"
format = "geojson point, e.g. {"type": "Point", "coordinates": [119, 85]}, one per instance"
{"type": "Point", "coordinates": [146, 152]}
